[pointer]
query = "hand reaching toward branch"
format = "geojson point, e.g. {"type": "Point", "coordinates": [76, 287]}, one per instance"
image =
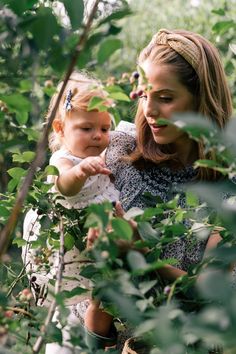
{"type": "Point", "coordinates": [91, 166]}
{"type": "Point", "coordinates": [72, 178]}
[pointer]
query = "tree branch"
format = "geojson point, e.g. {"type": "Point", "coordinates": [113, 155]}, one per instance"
{"type": "Point", "coordinates": [52, 308]}
{"type": "Point", "coordinates": [43, 142]}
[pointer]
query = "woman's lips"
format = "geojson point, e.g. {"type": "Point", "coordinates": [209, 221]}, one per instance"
{"type": "Point", "coordinates": [157, 128]}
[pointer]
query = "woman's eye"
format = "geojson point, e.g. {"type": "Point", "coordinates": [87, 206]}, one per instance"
{"type": "Point", "coordinates": [143, 97]}
{"type": "Point", "coordinates": [165, 99]}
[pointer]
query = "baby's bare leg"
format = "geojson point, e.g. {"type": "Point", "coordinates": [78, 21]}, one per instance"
{"type": "Point", "coordinates": [97, 320]}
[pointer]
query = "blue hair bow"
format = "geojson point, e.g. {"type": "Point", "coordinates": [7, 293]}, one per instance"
{"type": "Point", "coordinates": [68, 105]}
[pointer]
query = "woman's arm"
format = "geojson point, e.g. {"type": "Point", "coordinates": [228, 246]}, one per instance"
{"type": "Point", "coordinates": [213, 241]}
{"type": "Point", "coordinates": [171, 273]}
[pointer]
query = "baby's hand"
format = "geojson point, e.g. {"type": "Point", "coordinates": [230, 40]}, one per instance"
{"type": "Point", "coordinates": [91, 166]}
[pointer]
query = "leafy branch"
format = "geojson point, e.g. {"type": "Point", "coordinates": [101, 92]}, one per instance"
{"type": "Point", "coordinates": [43, 142]}
{"type": "Point", "coordinates": [52, 308]}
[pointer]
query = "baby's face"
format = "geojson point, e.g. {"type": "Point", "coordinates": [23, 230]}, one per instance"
{"type": "Point", "coordinates": [86, 133]}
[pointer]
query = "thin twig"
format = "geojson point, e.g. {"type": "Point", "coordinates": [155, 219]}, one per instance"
{"type": "Point", "coordinates": [20, 310]}
{"type": "Point", "coordinates": [38, 345]}
{"type": "Point", "coordinates": [43, 142]}
{"type": "Point", "coordinates": [15, 281]}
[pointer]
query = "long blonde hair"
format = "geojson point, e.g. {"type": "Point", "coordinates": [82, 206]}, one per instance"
{"type": "Point", "coordinates": [82, 87]}
{"type": "Point", "coordinates": [198, 66]}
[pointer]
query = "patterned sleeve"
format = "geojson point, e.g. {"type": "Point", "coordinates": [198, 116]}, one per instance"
{"type": "Point", "coordinates": [121, 144]}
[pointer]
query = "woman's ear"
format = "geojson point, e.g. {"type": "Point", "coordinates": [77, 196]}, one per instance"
{"type": "Point", "coordinates": [57, 126]}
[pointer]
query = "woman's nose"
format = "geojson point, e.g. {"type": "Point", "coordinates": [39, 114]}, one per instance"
{"type": "Point", "coordinates": [151, 110]}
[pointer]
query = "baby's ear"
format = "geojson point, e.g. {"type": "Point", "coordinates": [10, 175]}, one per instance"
{"type": "Point", "coordinates": [57, 126]}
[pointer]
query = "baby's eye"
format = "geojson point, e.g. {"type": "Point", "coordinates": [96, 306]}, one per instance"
{"type": "Point", "coordinates": [86, 129]}
{"type": "Point", "coordinates": [105, 130]}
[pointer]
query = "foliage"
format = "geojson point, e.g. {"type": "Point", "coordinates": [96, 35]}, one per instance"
{"type": "Point", "coordinates": [37, 39]}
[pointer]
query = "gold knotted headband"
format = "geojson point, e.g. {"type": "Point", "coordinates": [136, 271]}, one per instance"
{"type": "Point", "coordinates": [182, 45]}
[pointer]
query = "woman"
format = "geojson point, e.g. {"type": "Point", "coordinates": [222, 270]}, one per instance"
{"type": "Point", "coordinates": [183, 73]}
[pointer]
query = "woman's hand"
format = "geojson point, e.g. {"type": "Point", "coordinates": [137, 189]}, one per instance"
{"type": "Point", "coordinates": [119, 212]}
{"type": "Point", "coordinates": [93, 234]}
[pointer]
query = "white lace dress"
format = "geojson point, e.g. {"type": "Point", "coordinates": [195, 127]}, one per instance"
{"type": "Point", "coordinates": [97, 189]}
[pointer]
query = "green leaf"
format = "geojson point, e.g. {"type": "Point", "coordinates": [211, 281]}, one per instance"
{"type": "Point", "coordinates": [4, 212]}
{"type": "Point", "coordinates": [115, 114]}
{"type": "Point", "coordinates": [194, 124]}
{"type": "Point", "coordinates": [19, 242]}
{"type": "Point", "coordinates": [49, 91]}
{"type": "Point", "coordinates": [132, 213]}
{"type": "Point", "coordinates": [119, 96]}
{"type": "Point", "coordinates": [150, 212]}
{"type": "Point", "coordinates": [69, 241]}
{"type": "Point", "coordinates": [98, 215]}
{"type": "Point", "coordinates": [107, 48]}
{"type": "Point", "coordinates": [145, 286]}
{"type": "Point", "coordinates": [220, 12]}
{"type": "Point", "coordinates": [191, 199]}
{"type": "Point", "coordinates": [114, 30]}
{"type": "Point", "coordinates": [212, 164]}
{"type": "Point", "coordinates": [31, 133]}
{"type": "Point", "coordinates": [113, 88]}
{"type": "Point", "coordinates": [75, 11]}
{"type": "Point", "coordinates": [136, 261]}
{"type": "Point", "coordinates": [20, 6]}
{"type": "Point", "coordinates": [13, 183]}
{"type": "Point", "coordinates": [122, 229]}
{"type": "Point", "coordinates": [16, 172]}
{"type": "Point", "coordinates": [22, 117]}
{"type": "Point", "coordinates": [27, 156]}
{"type": "Point", "coordinates": [117, 15]}
{"type": "Point", "coordinates": [51, 170]}
{"type": "Point", "coordinates": [74, 292]}
{"type": "Point", "coordinates": [25, 86]}
{"type": "Point", "coordinates": [97, 103]}
{"type": "Point", "coordinates": [147, 233]}
{"type": "Point", "coordinates": [53, 334]}
{"type": "Point", "coordinates": [43, 27]}
{"type": "Point", "coordinates": [18, 104]}
{"type": "Point", "coordinates": [176, 229]}
{"type": "Point", "coordinates": [223, 26]}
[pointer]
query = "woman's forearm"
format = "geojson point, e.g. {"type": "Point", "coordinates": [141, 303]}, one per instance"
{"type": "Point", "coordinates": [170, 273]}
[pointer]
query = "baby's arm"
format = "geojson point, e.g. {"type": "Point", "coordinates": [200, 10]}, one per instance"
{"type": "Point", "coordinates": [72, 177]}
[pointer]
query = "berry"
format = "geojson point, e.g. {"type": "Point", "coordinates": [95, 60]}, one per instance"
{"type": "Point", "coordinates": [9, 313]}
{"type": "Point", "coordinates": [133, 95]}
{"type": "Point", "coordinates": [135, 75]}
{"type": "Point", "coordinates": [125, 76]}
{"type": "Point", "coordinates": [140, 93]}
{"type": "Point", "coordinates": [167, 290]}
{"type": "Point", "coordinates": [111, 80]}
{"type": "Point", "coordinates": [48, 83]}
{"type": "Point", "coordinates": [26, 292]}
{"type": "Point", "coordinates": [104, 254]}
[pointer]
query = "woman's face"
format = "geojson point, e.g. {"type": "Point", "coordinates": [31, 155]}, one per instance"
{"type": "Point", "coordinates": [166, 97]}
